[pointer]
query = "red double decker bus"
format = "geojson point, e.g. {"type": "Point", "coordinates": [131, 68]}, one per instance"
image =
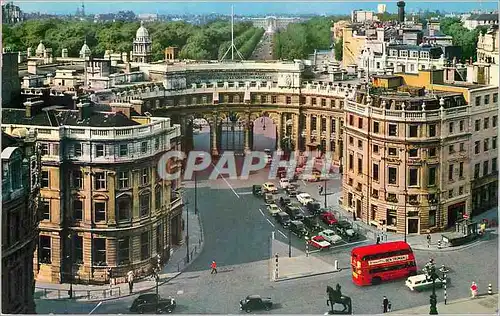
{"type": "Point", "coordinates": [376, 263]}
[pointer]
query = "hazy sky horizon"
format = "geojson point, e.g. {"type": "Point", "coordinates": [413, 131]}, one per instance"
{"type": "Point", "coordinates": [245, 8]}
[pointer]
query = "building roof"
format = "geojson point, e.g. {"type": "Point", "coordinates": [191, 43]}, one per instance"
{"type": "Point", "coordinates": [85, 49]}
{"type": "Point", "coordinates": [40, 48]}
{"type": "Point", "coordinates": [8, 141]}
{"type": "Point", "coordinates": [142, 32]}
{"type": "Point", "coordinates": [483, 17]}
{"type": "Point", "coordinates": [55, 118]}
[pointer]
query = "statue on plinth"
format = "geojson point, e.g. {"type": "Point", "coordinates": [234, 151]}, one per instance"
{"type": "Point", "coordinates": [336, 297]}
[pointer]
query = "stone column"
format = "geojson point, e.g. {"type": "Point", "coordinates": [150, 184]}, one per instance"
{"type": "Point", "coordinates": [328, 134]}
{"type": "Point", "coordinates": [213, 138]}
{"type": "Point", "coordinates": [247, 148]}
{"type": "Point", "coordinates": [111, 210]}
{"type": "Point", "coordinates": [336, 154]}
{"type": "Point", "coordinates": [308, 131]}
{"type": "Point", "coordinates": [296, 131]}
{"type": "Point", "coordinates": [279, 132]}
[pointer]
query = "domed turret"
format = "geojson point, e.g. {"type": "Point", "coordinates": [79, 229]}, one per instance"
{"type": "Point", "coordinates": [85, 50]}
{"type": "Point", "coordinates": [142, 33]}
{"type": "Point", "coordinates": [142, 48]}
{"type": "Point", "coordinates": [40, 49]}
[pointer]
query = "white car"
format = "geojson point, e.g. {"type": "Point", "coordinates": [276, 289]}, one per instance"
{"type": "Point", "coordinates": [330, 236]}
{"type": "Point", "coordinates": [304, 198]}
{"type": "Point", "coordinates": [284, 183]}
{"type": "Point", "coordinates": [273, 209]}
{"type": "Point", "coordinates": [420, 282]}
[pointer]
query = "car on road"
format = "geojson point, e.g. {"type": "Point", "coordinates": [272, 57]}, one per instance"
{"type": "Point", "coordinates": [330, 236]}
{"type": "Point", "coordinates": [273, 209]}
{"type": "Point", "coordinates": [304, 198]}
{"type": "Point", "coordinates": [284, 182]}
{"type": "Point", "coordinates": [291, 190]}
{"type": "Point", "coordinates": [257, 190]}
{"type": "Point", "coordinates": [295, 212]}
{"type": "Point", "coordinates": [344, 229]}
{"type": "Point", "coordinates": [319, 242]}
{"type": "Point", "coordinates": [283, 218]}
{"type": "Point", "coordinates": [284, 201]}
{"type": "Point", "coordinates": [311, 223]}
{"type": "Point", "coordinates": [328, 218]}
{"type": "Point", "coordinates": [255, 302]}
{"type": "Point", "coordinates": [314, 207]}
{"type": "Point", "coordinates": [269, 187]}
{"type": "Point", "coordinates": [152, 304]}
{"type": "Point", "coordinates": [298, 228]}
{"type": "Point", "coordinates": [421, 282]}
{"type": "Point", "coordinates": [269, 198]}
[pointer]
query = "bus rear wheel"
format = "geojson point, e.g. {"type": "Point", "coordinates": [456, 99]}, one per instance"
{"type": "Point", "coordinates": [376, 280]}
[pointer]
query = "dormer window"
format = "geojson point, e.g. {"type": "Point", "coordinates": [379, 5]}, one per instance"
{"type": "Point", "coordinates": [424, 54]}
{"type": "Point", "coordinates": [414, 54]}
{"type": "Point", "coordinates": [403, 53]}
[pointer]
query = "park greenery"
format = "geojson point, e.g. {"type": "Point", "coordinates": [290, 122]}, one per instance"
{"type": "Point", "coordinates": [245, 43]}
{"type": "Point", "coordinates": [194, 42]}
{"type": "Point", "coordinates": [463, 37]}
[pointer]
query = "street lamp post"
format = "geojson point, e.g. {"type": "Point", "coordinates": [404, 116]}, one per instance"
{"type": "Point", "coordinates": [157, 279]}
{"type": "Point", "coordinates": [325, 190]}
{"type": "Point", "coordinates": [289, 243]}
{"type": "Point", "coordinates": [70, 257]}
{"type": "Point", "coordinates": [187, 231]}
{"type": "Point", "coordinates": [430, 270]}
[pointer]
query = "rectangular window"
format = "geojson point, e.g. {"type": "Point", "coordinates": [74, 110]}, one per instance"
{"type": "Point", "coordinates": [494, 142]}
{"type": "Point", "coordinates": [78, 210]}
{"type": "Point", "coordinates": [477, 147]}
{"type": "Point", "coordinates": [44, 149]}
{"type": "Point", "coordinates": [494, 164]}
{"type": "Point", "coordinates": [477, 125]}
{"type": "Point", "coordinates": [360, 144]}
{"type": "Point", "coordinates": [313, 101]}
{"type": "Point", "coordinates": [393, 130]}
{"type": "Point", "coordinates": [393, 151]}
{"type": "Point", "coordinates": [461, 170]}
{"type": "Point", "coordinates": [263, 99]}
{"type": "Point", "coordinates": [413, 131]}
{"type": "Point", "coordinates": [302, 100]}
{"type": "Point", "coordinates": [157, 143]}
{"type": "Point", "coordinates": [432, 152]}
{"type": "Point", "coordinates": [460, 190]}
{"type": "Point", "coordinates": [461, 126]}
{"type": "Point", "coordinates": [99, 150]}
{"type": "Point", "coordinates": [485, 168]}
{"type": "Point", "coordinates": [144, 147]}
{"type": "Point", "coordinates": [288, 100]}
{"type": "Point", "coordinates": [323, 102]}
{"type": "Point", "coordinates": [145, 176]}
{"type": "Point", "coordinates": [99, 252]}
{"type": "Point", "coordinates": [462, 147]}
{"type": "Point", "coordinates": [413, 177]}
{"type": "Point", "coordinates": [476, 170]}
{"type": "Point", "coordinates": [351, 162]}
{"type": "Point", "coordinates": [375, 149]}
{"type": "Point", "coordinates": [144, 245]}
{"type": "Point", "coordinates": [351, 120]}
{"type": "Point", "coordinates": [360, 165]}
{"type": "Point", "coordinates": [44, 250]}
{"type": "Point", "coordinates": [78, 150]}
{"type": "Point", "coordinates": [45, 210]}
{"type": "Point", "coordinates": [413, 152]}
{"type": "Point", "coordinates": [450, 193]}
{"type": "Point", "coordinates": [123, 250]}
{"type": "Point", "coordinates": [375, 172]}
{"type": "Point", "coordinates": [77, 176]}
{"type": "Point", "coordinates": [451, 149]}
{"type": "Point", "coordinates": [78, 245]}
{"type": "Point", "coordinates": [392, 175]}
{"type": "Point", "coordinates": [45, 179]}
{"type": "Point", "coordinates": [432, 130]}
{"type": "Point", "coordinates": [450, 128]}
{"type": "Point", "coordinates": [432, 176]}
{"type": "Point", "coordinates": [432, 218]}
{"type": "Point", "coordinates": [332, 104]}
{"type": "Point", "coordinates": [494, 121]}
{"type": "Point", "coordinates": [495, 97]}
{"type": "Point", "coordinates": [486, 122]}
{"type": "Point", "coordinates": [486, 144]}
{"type": "Point", "coordinates": [158, 197]}
{"type": "Point", "coordinates": [274, 99]}
{"type": "Point", "coordinates": [360, 122]}
{"type": "Point", "coordinates": [351, 140]}
{"type": "Point", "coordinates": [123, 150]}
{"type": "Point", "coordinates": [100, 180]}
{"type": "Point", "coordinates": [100, 211]}
{"type": "Point", "coordinates": [144, 204]}
{"type": "Point", "coordinates": [450, 172]}
{"type": "Point", "coordinates": [487, 99]}
{"type": "Point", "coordinates": [478, 101]}
{"type": "Point", "coordinates": [376, 127]}
{"type": "Point", "coordinates": [123, 180]}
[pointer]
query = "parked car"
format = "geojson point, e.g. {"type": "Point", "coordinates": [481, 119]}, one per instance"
{"type": "Point", "coordinates": [319, 242]}
{"type": "Point", "coordinates": [284, 201]}
{"type": "Point", "coordinates": [314, 207]}
{"type": "Point", "coordinates": [328, 218]}
{"type": "Point", "coordinates": [255, 302]}
{"type": "Point", "coordinates": [420, 282]}
{"type": "Point", "coordinates": [257, 190]}
{"type": "Point", "coordinates": [284, 182]}
{"type": "Point", "coordinates": [295, 212]}
{"type": "Point", "coordinates": [269, 198]}
{"type": "Point", "coordinates": [298, 228]}
{"type": "Point", "coordinates": [330, 236]}
{"type": "Point", "coordinates": [291, 190]}
{"type": "Point", "coordinates": [304, 198]}
{"type": "Point", "coordinates": [344, 229]}
{"type": "Point", "coordinates": [273, 209]}
{"type": "Point", "coordinates": [269, 187]}
{"type": "Point", "coordinates": [311, 223]}
{"type": "Point", "coordinates": [152, 304]}
{"type": "Point", "coordinates": [283, 218]}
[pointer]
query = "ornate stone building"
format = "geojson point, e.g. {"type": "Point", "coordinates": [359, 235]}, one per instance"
{"type": "Point", "coordinates": [20, 195]}
{"type": "Point", "coordinates": [142, 50]}
{"type": "Point", "coordinates": [103, 202]}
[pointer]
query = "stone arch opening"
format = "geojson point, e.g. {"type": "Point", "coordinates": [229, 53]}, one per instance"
{"type": "Point", "coordinates": [200, 128]}
{"type": "Point", "coordinates": [231, 133]}
{"type": "Point", "coordinates": [264, 133]}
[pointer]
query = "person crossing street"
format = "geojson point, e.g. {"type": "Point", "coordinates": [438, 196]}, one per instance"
{"type": "Point", "coordinates": [214, 267]}
{"type": "Point", "coordinates": [385, 304]}
{"type": "Point", "coordinates": [473, 289]}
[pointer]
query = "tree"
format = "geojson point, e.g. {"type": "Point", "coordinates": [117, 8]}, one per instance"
{"type": "Point", "coordinates": [462, 36]}
{"type": "Point", "coordinates": [338, 49]}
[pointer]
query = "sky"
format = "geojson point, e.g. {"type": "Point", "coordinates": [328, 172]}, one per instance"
{"type": "Point", "coordinates": [245, 8]}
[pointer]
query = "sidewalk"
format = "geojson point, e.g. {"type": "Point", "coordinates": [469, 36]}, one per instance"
{"type": "Point", "coordinates": [174, 267]}
{"type": "Point", "coordinates": [484, 305]}
{"type": "Point", "coordinates": [416, 241]}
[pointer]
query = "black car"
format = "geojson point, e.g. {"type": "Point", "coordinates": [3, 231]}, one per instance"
{"type": "Point", "coordinates": [291, 190]}
{"type": "Point", "coordinates": [314, 208]}
{"type": "Point", "coordinates": [255, 302]}
{"type": "Point", "coordinates": [295, 212]}
{"type": "Point", "coordinates": [311, 223]}
{"type": "Point", "coordinates": [298, 228]}
{"type": "Point", "coordinates": [283, 218]}
{"type": "Point", "coordinates": [344, 229]}
{"type": "Point", "coordinates": [257, 190]}
{"type": "Point", "coordinates": [284, 201]}
{"type": "Point", "coordinates": [152, 304]}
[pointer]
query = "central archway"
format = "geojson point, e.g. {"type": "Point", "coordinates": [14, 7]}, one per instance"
{"type": "Point", "coordinates": [201, 134]}
{"type": "Point", "coordinates": [264, 134]}
{"type": "Point", "coordinates": [231, 134]}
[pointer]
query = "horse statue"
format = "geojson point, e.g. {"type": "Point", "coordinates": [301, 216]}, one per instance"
{"type": "Point", "coordinates": [336, 297]}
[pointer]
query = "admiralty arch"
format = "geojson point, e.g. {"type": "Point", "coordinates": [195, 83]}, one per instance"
{"type": "Point", "coordinates": [309, 114]}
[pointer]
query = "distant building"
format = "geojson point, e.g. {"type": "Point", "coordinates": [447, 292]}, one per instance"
{"type": "Point", "coordinates": [362, 16]}
{"type": "Point", "coordinates": [272, 23]}
{"type": "Point", "coordinates": [142, 50]}
{"type": "Point", "coordinates": [476, 20]}
{"type": "Point", "coordinates": [381, 8]}
{"type": "Point", "coordinates": [11, 14]}
{"type": "Point", "coordinates": [148, 17]}
{"type": "Point", "coordinates": [486, 69]}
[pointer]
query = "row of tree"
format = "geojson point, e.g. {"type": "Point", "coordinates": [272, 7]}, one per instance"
{"type": "Point", "coordinates": [245, 43]}
{"type": "Point", "coordinates": [462, 36]}
{"type": "Point", "coordinates": [195, 42]}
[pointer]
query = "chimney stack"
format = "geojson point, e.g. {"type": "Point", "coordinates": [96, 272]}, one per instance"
{"type": "Point", "coordinates": [33, 107]}
{"type": "Point", "coordinates": [401, 11]}
{"type": "Point", "coordinates": [84, 110]}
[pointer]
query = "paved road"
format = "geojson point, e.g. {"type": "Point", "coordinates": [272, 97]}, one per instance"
{"type": "Point", "coordinates": [264, 49]}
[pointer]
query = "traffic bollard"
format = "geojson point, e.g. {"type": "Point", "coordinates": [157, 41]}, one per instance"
{"type": "Point", "coordinates": [336, 266]}
{"type": "Point", "coordinates": [272, 235]}
{"type": "Point", "coordinates": [276, 271]}
{"type": "Point", "coordinates": [445, 281]}
{"type": "Point", "coordinates": [490, 290]}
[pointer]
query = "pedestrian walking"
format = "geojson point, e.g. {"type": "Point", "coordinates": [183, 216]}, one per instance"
{"type": "Point", "coordinates": [385, 304]}
{"type": "Point", "coordinates": [110, 277]}
{"type": "Point", "coordinates": [378, 239]}
{"type": "Point", "coordinates": [389, 306]}
{"type": "Point", "coordinates": [320, 188]}
{"type": "Point", "coordinates": [130, 279]}
{"type": "Point", "coordinates": [214, 267]}
{"type": "Point", "coordinates": [428, 240]}
{"type": "Point", "coordinates": [473, 289]}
